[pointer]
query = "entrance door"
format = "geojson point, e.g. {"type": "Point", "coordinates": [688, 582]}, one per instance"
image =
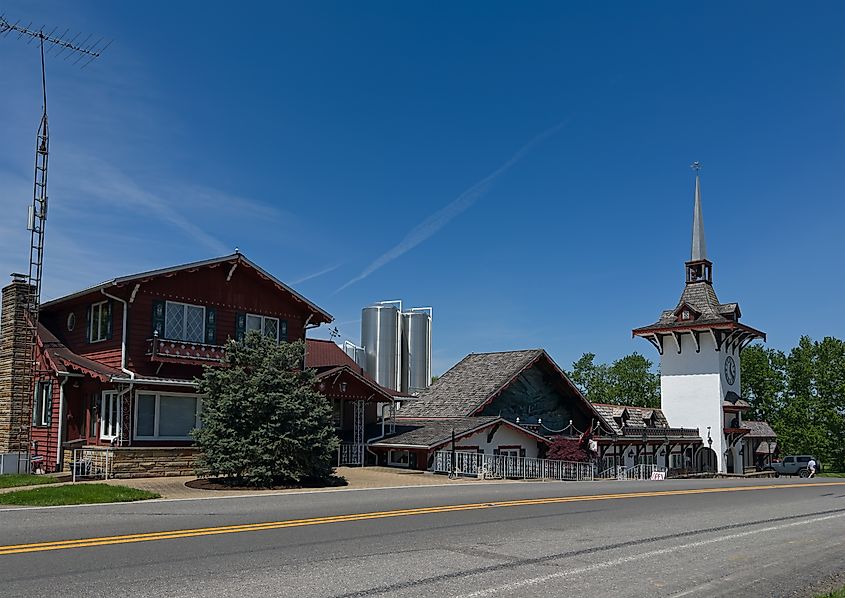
{"type": "Point", "coordinates": [110, 413]}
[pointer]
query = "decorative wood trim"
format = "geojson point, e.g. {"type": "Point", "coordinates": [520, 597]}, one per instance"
{"type": "Point", "coordinates": [694, 334]}
{"type": "Point", "coordinates": [716, 340]}
{"type": "Point", "coordinates": [677, 341]}
{"type": "Point", "coordinates": [657, 341]}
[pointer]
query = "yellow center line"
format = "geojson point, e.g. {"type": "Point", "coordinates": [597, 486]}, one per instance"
{"type": "Point", "coordinates": [254, 527]}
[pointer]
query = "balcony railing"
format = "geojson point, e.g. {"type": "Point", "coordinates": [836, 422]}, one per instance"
{"type": "Point", "coordinates": [183, 351]}
{"type": "Point", "coordinates": [653, 432]}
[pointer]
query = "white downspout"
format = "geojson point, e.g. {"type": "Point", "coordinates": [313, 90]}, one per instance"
{"type": "Point", "coordinates": [59, 454]}
{"type": "Point", "coordinates": [123, 367]}
{"type": "Point", "coordinates": [123, 331]}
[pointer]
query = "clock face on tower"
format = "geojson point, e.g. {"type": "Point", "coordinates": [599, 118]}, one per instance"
{"type": "Point", "coordinates": [730, 370]}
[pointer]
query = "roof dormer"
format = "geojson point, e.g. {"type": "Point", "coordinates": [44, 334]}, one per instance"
{"type": "Point", "coordinates": [686, 313]}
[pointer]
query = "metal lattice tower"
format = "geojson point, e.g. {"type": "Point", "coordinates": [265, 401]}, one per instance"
{"type": "Point", "coordinates": [37, 218]}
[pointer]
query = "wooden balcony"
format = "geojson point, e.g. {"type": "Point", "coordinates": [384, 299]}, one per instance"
{"type": "Point", "coordinates": [168, 351]}
{"type": "Point", "coordinates": [658, 433]}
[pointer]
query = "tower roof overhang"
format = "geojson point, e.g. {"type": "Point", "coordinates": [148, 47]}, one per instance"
{"type": "Point", "coordinates": [726, 333]}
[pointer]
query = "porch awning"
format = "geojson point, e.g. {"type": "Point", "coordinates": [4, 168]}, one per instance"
{"type": "Point", "coordinates": [766, 448]}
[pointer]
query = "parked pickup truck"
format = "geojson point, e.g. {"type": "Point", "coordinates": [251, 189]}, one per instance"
{"type": "Point", "coordinates": [794, 465]}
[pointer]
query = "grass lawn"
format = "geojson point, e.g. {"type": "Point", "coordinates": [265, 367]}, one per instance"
{"type": "Point", "coordinates": [74, 494]}
{"type": "Point", "coordinates": [834, 594]}
{"type": "Point", "coordinates": [12, 480]}
{"type": "Point", "coordinates": [832, 474]}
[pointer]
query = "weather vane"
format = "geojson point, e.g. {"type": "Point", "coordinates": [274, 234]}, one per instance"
{"type": "Point", "coordinates": [696, 166]}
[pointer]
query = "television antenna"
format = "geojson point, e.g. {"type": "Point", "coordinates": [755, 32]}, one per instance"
{"type": "Point", "coordinates": [82, 50]}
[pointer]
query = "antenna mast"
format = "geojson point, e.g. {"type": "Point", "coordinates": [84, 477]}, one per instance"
{"type": "Point", "coordinates": [22, 408]}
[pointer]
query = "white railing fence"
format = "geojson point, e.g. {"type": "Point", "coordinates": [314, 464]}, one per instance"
{"type": "Point", "coordinates": [635, 472]}
{"type": "Point", "coordinates": [350, 454]}
{"type": "Point", "coordinates": [507, 467]}
{"type": "Point", "coordinates": [92, 464]}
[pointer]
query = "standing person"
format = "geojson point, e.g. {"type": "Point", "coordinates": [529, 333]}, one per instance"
{"type": "Point", "coordinates": [811, 468]}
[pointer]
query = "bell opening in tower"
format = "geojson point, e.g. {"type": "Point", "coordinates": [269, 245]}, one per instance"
{"type": "Point", "coordinates": [699, 271]}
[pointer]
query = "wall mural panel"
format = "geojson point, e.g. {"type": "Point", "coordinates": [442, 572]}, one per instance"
{"type": "Point", "coordinates": [534, 395]}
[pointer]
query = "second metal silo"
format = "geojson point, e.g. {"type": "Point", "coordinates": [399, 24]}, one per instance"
{"type": "Point", "coordinates": [356, 353]}
{"type": "Point", "coordinates": [416, 349]}
{"type": "Point", "coordinates": [381, 332]}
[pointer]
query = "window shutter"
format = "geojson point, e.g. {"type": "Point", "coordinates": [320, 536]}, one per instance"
{"type": "Point", "coordinates": [88, 323]}
{"type": "Point", "coordinates": [522, 452]}
{"type": "Point", "coordinates": [48, 403]}
{"type": "Point", "coordinates": [210, 326]}
{"type": "Point", "coordinates": [240, 325]}
{"type": "Point", "coordinates": [36, 405]}
{"type": "Point", "coordinates": [109, 321]}
{"type": "Point", "coordinates": [158, 318]}
{"type": "Point", "coordinates": [283, 330]}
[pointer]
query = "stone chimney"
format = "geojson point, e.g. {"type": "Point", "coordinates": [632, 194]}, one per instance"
{"type": "Point", "coordinates": [15, 357]}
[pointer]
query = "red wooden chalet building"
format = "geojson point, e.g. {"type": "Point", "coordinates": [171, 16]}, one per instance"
{"type": "Point", "coordinates": [118, 360]}
{"type": "Point", "coordinates": [362, 409]}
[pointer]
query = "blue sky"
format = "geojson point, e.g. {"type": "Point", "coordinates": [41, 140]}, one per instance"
{"type": "Point", "coordinates": [522, 169]}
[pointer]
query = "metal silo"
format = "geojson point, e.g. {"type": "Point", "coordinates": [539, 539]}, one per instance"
{"type": "Point", "coordinates": [416, 349]}
{"type": "Point", "coordinates": [381, 334]}
{"type": "Point", "coordinates": [356, 353]}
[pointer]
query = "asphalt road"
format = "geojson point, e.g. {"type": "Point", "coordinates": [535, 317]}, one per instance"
{"type": "Point", "coordinates": [674, 538]}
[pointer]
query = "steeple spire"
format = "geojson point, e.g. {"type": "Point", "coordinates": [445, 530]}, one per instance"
{"type": "Point", "coordinates": [699, 247]}
{"type": "Point", "coordinates": [699, 268]}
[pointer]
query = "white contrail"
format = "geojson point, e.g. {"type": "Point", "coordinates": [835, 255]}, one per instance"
{"type": "Point", "coordinates": [316, 274]}
{"type": "Point", "coordinates": [444, 215]}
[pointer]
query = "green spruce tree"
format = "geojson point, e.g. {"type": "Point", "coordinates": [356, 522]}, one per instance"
{"type": "Point", "coordinates": [263, 422]}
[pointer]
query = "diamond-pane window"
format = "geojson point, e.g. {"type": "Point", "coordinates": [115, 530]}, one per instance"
{"type": "Point", "coordinates": [194, 324]}
{"type": "Point", "coordinates": [174, 321]}
{"type": "Point", "coordinates": [271, 328]}
{"type": "Point", "coordinates": [184, 322]}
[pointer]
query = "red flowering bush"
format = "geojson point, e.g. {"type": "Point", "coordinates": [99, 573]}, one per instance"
{"type": "Point", "coordinates": [567, 449]}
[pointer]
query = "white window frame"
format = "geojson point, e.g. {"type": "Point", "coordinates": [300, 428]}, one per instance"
{"type": "Point", "coordinates": [510, 452]}
{"type": "Point", "coordinates": [95, 322]}
{"type": "Point", "coordinates": [44, 403]}
{"type": "Point", "coordinates": [263, 320]}
{"type": "Point", "coordinates": [157, 418]}
{"type": "Point", "coordinates": [110, 415]}
{"type": "Point", "coordinates": [390, 460]}
{"type": "Point", "coordinates": [676, 460]}
{"type": "Point", "coordinates": [184, 306]}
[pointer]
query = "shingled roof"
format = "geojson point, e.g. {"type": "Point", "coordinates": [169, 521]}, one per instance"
{"type": "Point", "coordinates": [470, 383]}
{"type": "Point", "coordinates": [63, 359]}
{"type": "Point", "coordinates": [327, 358]}
{"type": "Point", "coordinates": [759, 429]}
{"type": "Point", "coordinates": [432, 433]}
{"type": "Point", "coordinates": [637, 416]}
{"type": "Point", "coordinates": [701, 298]}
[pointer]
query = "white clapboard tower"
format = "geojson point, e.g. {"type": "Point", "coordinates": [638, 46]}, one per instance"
{"type": "Point", "coordinates": [700, 342]}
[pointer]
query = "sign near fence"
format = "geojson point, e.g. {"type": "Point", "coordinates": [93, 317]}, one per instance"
{"type": "Point", "coordinates": [658, 475]}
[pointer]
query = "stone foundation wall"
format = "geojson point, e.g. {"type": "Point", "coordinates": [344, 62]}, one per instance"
{"type": "Point", "coordinates": [147, 462]}
{"type": "Point", "coordinates": [153, 462]}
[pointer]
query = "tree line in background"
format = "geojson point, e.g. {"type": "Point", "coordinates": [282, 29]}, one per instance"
{"type": "Point", "coordinates": [627, 381]}
{"type": "Point", "coordinates": [802, 395]}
